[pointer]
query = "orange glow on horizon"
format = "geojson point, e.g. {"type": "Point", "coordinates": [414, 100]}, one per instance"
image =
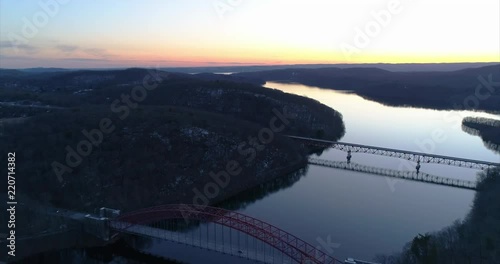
{"type": "Point", "coordinates": [257, 32]}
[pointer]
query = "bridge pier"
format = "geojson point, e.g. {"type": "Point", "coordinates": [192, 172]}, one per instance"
{"type": "Point", "coordinates": [98, 226]}
{"type": "Point", "coordinates": [108, 212]}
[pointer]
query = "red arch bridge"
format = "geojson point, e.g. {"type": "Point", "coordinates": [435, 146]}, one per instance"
{"type": "Point", "coordinates": [220, 230]}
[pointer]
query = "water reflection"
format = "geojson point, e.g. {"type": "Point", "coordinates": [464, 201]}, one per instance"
{"type": "Point", "coordinates": [366, 214]}
{"type": "Point", "coordinates": [487, 144]}
{"type": "Point", "coordinates": [244, 199]}
{"type": "Point", "coordinates": [371, 123]}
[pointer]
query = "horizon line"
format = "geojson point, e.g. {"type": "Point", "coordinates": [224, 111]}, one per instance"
{"type": "Point", "coordinates": [257, 65]}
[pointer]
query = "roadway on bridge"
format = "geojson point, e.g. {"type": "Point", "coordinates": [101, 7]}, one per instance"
{"type": "Point", "coordinates": [397, 153]}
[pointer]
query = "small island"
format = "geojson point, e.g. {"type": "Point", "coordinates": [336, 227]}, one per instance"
{"type": "Point", "coordinates": [488, 129]}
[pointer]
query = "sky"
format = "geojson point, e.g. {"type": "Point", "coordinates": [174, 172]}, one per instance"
{"type": "Point", "coordinates": [178, 33]}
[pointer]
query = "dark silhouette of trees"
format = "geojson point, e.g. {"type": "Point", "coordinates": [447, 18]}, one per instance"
{"type": "Point", "coordinates": [476, 239]}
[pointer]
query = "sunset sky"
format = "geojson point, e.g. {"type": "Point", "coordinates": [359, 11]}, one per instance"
{"type": "Point", "coordinates": [125, 33]}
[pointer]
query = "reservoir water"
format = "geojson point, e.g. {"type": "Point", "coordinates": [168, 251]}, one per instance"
{"type": "Point", "coordinates": [351, 214]}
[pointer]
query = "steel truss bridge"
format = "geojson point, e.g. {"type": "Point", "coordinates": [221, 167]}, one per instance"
{"type": "Point", "coordinates": [396, 153]}
{"type": "Point", "coordinates": [223, 228]}
{"type": "Point", "coordinates": [408, 175]}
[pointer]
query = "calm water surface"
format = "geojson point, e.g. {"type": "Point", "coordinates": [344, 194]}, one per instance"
{"type": "Point", "coordinates": [364, 214]}
{"type": "Point", "coordinates": [350, 214]}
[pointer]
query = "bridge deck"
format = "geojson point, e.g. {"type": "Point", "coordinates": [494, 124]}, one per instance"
{"type": "Point", "coordinates": [410, 155]}
{"type": "Point", "coordinates": [297, 249]}
{"type": "Point", "coordinates": [197, 241]}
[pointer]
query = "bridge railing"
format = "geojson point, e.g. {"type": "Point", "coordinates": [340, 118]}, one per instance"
{"type": "Point", "coordinates": [403, 154]}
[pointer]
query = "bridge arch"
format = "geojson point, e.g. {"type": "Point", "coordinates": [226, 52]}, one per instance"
{"type": "Point", "coordinates": [290, 245]}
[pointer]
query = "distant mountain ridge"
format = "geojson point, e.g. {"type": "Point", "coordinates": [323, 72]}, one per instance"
{"type": "Point", "coordinates": [439, 90]}
{"type": "Point", "coordinates": [78, 78]}
{"type": "Point", "coordinates": [396, 67]}
{"type": "Point", "coordinates": [428, 89]}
